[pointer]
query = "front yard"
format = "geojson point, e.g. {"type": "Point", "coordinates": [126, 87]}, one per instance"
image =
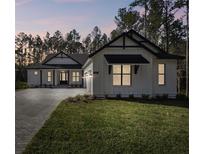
{"type": "Point", "coordinates": [114, 126]}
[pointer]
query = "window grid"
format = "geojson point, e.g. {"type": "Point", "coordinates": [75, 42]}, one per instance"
{"type": "Point", "coordinates": [121, 75]}
{"type": "Point", "coordinates": [49, 76]}
{"type": "Point", "coordinates": [161, 74]}
{"type": "Point", "coordinates": [75, 76]}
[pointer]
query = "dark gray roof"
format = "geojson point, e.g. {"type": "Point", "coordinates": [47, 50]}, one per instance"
{"type": "Point", "coordinates": [49, 56]}
{"type": "Point", "coordinates": [44, 66]}
{"type": "Point", "coordinates": [81, 58]}
{"type": "Point", "coordinates": [125, 59]}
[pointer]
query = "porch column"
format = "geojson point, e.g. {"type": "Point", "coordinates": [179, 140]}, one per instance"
{"type": "Point", "coordinates": [68, 75]}
{"type": "Point", "coordinates": [53, 77]}
{"type": "Point", "coordinates": [82, 79]}
{"type": "Point", "coordinates": [40, 77]}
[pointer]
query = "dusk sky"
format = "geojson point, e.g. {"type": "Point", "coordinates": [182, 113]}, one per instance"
{"type": "Point", "coordinates": [40, 16]}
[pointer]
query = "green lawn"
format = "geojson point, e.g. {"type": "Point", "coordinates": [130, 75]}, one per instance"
{"type": "Point", "coordinates": [113, 126]}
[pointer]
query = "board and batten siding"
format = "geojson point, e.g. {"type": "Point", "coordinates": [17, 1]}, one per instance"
{"type": "Point", "coordinates": [141, 83]}
{"type": "Point", "coordinates": [170, 86]}
{"type": "Point", "coordinates": [144, 82]}
{"type": "Point", "coordinates": [32, 79]}
{"type": "Point", "coordinates": [88, 81]}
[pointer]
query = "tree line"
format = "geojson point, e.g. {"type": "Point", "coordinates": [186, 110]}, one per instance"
{"type": "Point", "coordinates": [157, 23]}
{"type": "Point", "coordinates": [32, 48]}
{"type": "Point", "coordinates": [154, 19]}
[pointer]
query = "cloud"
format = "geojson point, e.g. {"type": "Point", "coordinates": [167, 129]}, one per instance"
{"type": "Point", "coordinates": [71, 1]}
{"type": "Point", "coordinates": [22, 2]}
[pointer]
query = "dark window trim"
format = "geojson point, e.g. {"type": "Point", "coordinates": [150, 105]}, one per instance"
{"type": "Point", "coordinates": [54, 77]}
{"type": "Point", "coordinates": [41, 77]}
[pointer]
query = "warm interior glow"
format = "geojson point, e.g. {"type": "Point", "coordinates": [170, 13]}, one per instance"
{"type": "Point", "coordinates": [161, 79]}
{"type": "Point", "coordinates": [121, 75]}
{"type": "Point", "coordinates": [49, 76]}
{"type": "Point", "coordinates": [63, 78]}
{"type": "Point", "coordinates": [75, 76]}
{"type": "Point", "coordinates": [161, 74]}
{"type": "Point", "coordinates": [126, 80]}
{"type": "Point", "coordinates": [116, 69]}
{"type": "Point", "coordinates": [161, 68]}
{"type": "Point", "coordinates": [126, 69]}
{"type": "Point", "coordinates": [116, 80]}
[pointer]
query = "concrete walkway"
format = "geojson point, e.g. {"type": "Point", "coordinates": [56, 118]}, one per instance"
{"type": "Point", "coordinates": [33, 107]}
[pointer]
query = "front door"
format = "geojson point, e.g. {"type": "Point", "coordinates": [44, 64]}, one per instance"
{"type": "Point", "coordinates": [63, 77]}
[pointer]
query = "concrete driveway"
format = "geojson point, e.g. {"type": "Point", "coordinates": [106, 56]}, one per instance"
{"type": "Point", "coordinates": [33, 107]}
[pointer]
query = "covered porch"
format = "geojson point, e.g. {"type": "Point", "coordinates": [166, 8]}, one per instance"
{"type": "Point", "coordinates": [61, 78]}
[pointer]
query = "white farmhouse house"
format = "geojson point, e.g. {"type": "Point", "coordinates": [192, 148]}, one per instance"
{"type": "Point", "coordinates": [128, 65]}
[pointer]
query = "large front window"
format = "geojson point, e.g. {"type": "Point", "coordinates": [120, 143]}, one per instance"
{"type": "Point", "coordinates": [75, 76]}
{"type": "Point", "coordinates": [121, 75]}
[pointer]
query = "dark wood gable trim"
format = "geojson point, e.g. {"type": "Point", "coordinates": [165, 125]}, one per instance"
{"type": "Point", "coordinates": [128, 34]}
{"type": "Point", "coordinates": [144, 40]}
{"type": "Point", "coordinates": [124, 44]}
{"type": "Point", "coordinates": [106, 45]}
{"type": "Point", "coordinates": [142, 45]}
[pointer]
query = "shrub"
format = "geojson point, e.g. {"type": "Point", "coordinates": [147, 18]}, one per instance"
{"type": "Point", "coordinates": [181, 97]}
{"type": "Point", "coordinates": [78, 99]}
{"type": "Point", "coordinates": [21, 85]}
{"type": "Point", "coordinates": [118, 96]}
{"type": "Point", "coordinates": [165, 96]}
{"type": "Point", "coordinates": [158, 97]}
{"type": "Point", "coordinates": [131, 96]}
{"type": "Point", "coordinates": [92, 97]}
{"type": "Point", "coordinates": [86, 96]}
{"type": "Point", "coordinates": [145, 96]}
{"type": "Point", "coordinates": [162, 97]}
{"type": "Point", "coordinates": [106, 96]}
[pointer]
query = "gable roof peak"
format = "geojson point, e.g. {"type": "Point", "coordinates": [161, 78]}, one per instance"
{"type": "Point", "coordinates": [145, 43]}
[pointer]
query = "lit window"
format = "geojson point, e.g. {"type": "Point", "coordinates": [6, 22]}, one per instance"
{"type": "Point", "coordinates": [121, 75]}
{"type": "Point", "coordinates": [35, 72]}
{"type": "Point", "coordinates": [126, 75]}
{"type": "Point", "coordinates": [63, 76]}
{"type": "Point", "coordinates": [75, 76]}
{"type": "Point", "coordinates": [49, 76]}
{"type": "Point", "coordinates": [161, 74]}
